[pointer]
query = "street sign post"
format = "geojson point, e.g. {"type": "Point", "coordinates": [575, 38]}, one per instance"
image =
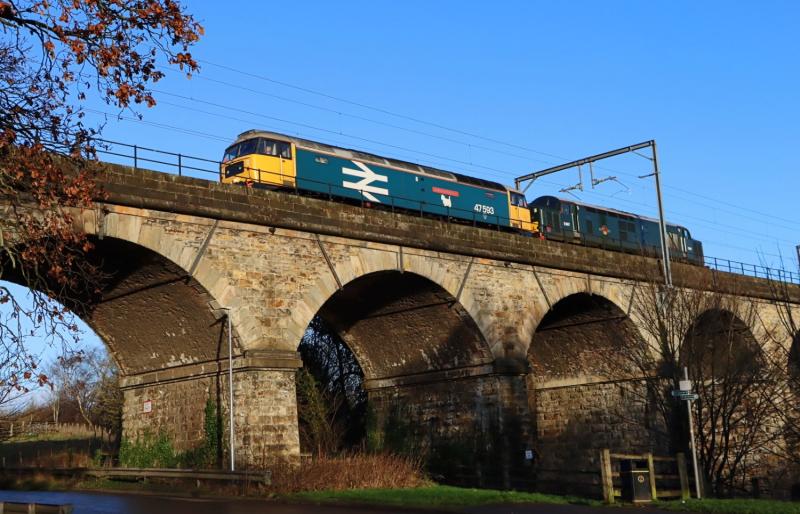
{"type": "Point", "coordinates": [684, 393]}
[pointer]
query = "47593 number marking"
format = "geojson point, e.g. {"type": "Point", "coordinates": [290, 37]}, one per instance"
{"type": "Point", "coordinates": [483, 209]}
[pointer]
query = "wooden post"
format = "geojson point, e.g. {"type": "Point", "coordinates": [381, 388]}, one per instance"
{"type": "Point", "coordinates": [680, 458]}
{"type": "Point", "coordinates": [652, 469]}
{"type": "Point", "coordinates": [605, 476]}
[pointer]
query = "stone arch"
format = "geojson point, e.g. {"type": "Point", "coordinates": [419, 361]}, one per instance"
{"type": "Point", "coordinates": [428, 369]}
{"type": "Point", "coordinates": [720, 343]}
{"type": "Point", "coordinates": [579, 336]}
{"type": "Point", "coordinates": [555, 287]}
{"type": "Point", "coordinates": [181, 242]}
{"type": "Point", "coordinates": [585, 389]}
{"type": "Point", "coordinates": [153, 313]}
{"type": "Point", "coordinates": [160, 315]}
{"type": "Point", "coordinates": [404, 324]}
{"type": "Point", "coordinates": [167, 337]}
{"type": "Point", "coordinates": [362, 262]}
{"type": "Point", "coordinates": [150, 313]}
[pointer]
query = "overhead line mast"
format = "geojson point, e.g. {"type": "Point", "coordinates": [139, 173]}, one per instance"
{"type": "Point", "coordinates": [665, 262]}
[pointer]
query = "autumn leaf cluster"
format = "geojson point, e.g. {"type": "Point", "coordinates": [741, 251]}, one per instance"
{"type": "Point", "coordinates": [55, 56]}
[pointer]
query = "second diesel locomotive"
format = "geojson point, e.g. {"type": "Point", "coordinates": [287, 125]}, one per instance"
{"type": "Point", "coordinates": [590, 225]}
{"type": "Point", "coordinates": [277, 161]}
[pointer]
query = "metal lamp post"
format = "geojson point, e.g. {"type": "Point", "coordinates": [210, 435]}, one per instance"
{"type": "Point", "coordinates": [230, 388]}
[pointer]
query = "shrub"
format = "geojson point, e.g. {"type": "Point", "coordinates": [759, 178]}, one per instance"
{"type": "Point", "coordinates": [148, 451]}
{"type": "Point", "coordinates": [206, 455]}
{"type": "Point", "coordinates": [355, 471]}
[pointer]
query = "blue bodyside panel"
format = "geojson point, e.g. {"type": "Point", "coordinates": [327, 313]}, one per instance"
{"type": "Point", "coordinates": [344, 178]}
{"type": "Point", "coordinates": [604, 228]}
{"type": "Point", "coordinates": [651, 239]}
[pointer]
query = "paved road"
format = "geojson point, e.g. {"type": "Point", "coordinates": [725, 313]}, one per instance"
{"type": "Point", "coordinates": [106, 503]}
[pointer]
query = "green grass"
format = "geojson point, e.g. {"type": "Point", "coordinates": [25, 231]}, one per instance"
{"type": "Point", "coordinates": [436, 496]}
{"type": "Point", "coordinates": [732, 506]}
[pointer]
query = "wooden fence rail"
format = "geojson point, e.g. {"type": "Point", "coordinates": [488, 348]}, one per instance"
{"type": "Point", "coordinates": [608, 474]}
{"type": "Point", "coordinates": [10, 429]}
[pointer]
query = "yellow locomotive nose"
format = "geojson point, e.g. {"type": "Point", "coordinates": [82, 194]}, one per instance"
{"type": "Point", "coordinates": [258, 160]}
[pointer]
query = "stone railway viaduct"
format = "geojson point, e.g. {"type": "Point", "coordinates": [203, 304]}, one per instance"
{"type": "Point", "coordinates": [476, 333]}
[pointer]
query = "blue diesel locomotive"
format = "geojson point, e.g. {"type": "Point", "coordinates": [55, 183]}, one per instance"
{"type": "Point", "coordinates": [277, 161]}
{"type": "Point", "coordinates": [576, 222]}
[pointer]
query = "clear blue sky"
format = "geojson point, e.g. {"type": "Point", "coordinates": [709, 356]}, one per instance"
{"type": "Point", "coordinates": [715, 83]}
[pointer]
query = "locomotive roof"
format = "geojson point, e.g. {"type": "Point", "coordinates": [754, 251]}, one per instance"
{"type": "Point", "coordinates": [377, 159]}
{"type": "Point", "coordinates": [605, 209]}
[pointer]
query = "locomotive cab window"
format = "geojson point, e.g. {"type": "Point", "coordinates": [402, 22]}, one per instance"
{"type": "Point", "coordinates": [275, 148]}
{"type": "Point", "coordinates": [248, 147]}
{"type": "Point", "coordinates": [258, 146]}
{"type": "Point", "coordinates": [518, 200]}
{"type": "Point", "coordinates": [231, 153]}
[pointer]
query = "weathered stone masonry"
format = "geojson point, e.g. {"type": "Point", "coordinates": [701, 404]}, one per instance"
{"type": "Point", "coordinates": [448, 317]}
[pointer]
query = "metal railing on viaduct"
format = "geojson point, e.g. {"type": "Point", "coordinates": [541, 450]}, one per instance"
{"type": "Point", "coordinates": [209, 169]}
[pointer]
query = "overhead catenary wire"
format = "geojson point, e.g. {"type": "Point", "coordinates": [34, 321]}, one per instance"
{"type": "Point", "coordinates": [378, 109]}
{"type": "Point", "coordinates": [367, 119]}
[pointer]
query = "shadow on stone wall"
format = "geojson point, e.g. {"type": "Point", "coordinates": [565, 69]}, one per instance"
{"type": "Point", "coordinates": [575, 423]}
{"type": "Point", "coordinates": [474, 441]}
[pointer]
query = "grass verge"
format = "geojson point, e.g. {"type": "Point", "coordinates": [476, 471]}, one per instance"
{"type": "Point", "coordinates": [732, 506]}
{"type": "Point", "coordinates": [435, 496]}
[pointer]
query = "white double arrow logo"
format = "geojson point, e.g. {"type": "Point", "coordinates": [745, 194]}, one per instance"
{"type": "Point", "coordinates": [367, 177]}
